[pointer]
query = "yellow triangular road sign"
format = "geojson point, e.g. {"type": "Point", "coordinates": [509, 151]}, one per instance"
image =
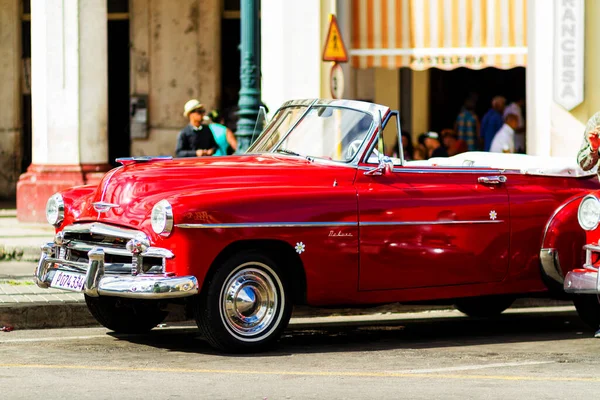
{"type": "Point", "coordinates": [334, 45]}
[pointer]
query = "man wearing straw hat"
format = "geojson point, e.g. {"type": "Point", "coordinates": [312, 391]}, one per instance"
{"type": "Point", "coordinates": [196, 139]}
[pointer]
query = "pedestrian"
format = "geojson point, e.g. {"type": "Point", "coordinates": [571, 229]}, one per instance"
{"type": "Point", "coordinates": [196, 139]}
{"type": "Point", "coordinates": [420, 152]}
{"type": "Point", "coordinates": [453, 144]}
{"type": "Point", "coordinates": [588, 155]}
{"type": "Point", "coordinates": [492, 121]}
{"type": "Point", "coordinates": [407, 146]}
{"type": "Point", "coordinates": [224, 137]}
{"type": "Point", "coordinates": [434, 146]}
{"type": "Point", "coordinates": [467, 125]}
{"type": "Point", "coordinates": [504, 140]}
{"type": "Point", "coordinates": [516, 107]}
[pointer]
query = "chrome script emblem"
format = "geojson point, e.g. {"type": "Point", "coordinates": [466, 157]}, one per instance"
{"type": "Point", "coordinates": [102, 207]}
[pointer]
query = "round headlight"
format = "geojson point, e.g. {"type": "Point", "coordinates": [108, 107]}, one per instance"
{"type": "Point", "coordinates": [55, 209]}
{"type": "Point", "coordinates": [162, 218]}
{"type": "Point", "coordinates": [589, 213]}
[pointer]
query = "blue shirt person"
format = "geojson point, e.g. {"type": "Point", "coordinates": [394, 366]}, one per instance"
{"type": "Point", "coordinates": [492, 121]}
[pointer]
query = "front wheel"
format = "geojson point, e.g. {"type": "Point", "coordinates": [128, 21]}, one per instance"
{"type": "Point", "coordinates": [244, 306]}
{"type": "Point", "coordinates": [125, 315]}
{"type": "Point", "coordinates": [588, 308]}
{"type": "Point", "coordinates": [484, 307]}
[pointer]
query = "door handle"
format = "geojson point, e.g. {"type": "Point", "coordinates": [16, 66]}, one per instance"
{"type": "Point", "coordinates": [492, 180]}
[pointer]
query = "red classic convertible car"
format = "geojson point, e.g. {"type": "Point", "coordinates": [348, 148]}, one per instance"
{"type": "Point", "coordinates": [322, 210]}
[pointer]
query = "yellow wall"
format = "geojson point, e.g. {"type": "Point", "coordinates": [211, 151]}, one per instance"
{"type": "Point", "coordinates": [387, 87]}
{"type": "Point", "coordinates": [387, 93]}
{"type": "Point", "coordinates": [591, 88]}
{"type": "Point", "coordinates": [420, 102]}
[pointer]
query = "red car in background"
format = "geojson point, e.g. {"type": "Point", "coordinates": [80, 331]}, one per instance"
{"type": "Point", "coordinates": [317, 212]}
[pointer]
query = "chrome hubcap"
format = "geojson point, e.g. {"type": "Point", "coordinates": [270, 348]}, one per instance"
{"type": "Point", "coordinates": [250, 300]}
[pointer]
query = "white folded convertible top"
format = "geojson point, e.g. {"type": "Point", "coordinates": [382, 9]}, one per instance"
{"type": "Point", "coordinates": [526, 164]}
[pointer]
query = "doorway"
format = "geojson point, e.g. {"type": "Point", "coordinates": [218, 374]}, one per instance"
{"type": "Point", "coordinates": [449, 89]}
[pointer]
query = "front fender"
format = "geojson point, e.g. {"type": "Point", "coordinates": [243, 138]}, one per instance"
{"type": "Point", "coordinates": [562, 243]}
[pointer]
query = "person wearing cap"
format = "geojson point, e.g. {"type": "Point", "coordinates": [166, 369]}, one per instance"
{"type": "Point", "coordinates": [588, 155]}
{"type": "Point", "coordinates": [196, 139]}
{"type": "Point", "coordinates": [433, 145]}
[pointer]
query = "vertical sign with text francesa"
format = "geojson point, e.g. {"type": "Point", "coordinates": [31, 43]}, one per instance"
{"type": "Point", "coordinates": [568, 52]}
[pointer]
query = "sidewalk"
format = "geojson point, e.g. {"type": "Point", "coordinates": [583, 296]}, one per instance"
{"type": "Point", "coordinates": [23, 305]}
{"type": "Point", "coordinates": [19, 241]}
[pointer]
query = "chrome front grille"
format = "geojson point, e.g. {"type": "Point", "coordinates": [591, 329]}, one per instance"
{"type": "Point", "coordinates": [75, 241]}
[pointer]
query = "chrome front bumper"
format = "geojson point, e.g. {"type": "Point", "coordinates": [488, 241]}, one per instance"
{"type": "Point", "coordinates": [97, 283]}
{"type": "Point", "coordinates": [584, 280]}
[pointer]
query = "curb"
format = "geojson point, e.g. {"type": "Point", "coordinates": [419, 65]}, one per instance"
{"type": "Point", "coordinates": [76, 314]}
{"type": "Point", "coordinates": [18, 253]}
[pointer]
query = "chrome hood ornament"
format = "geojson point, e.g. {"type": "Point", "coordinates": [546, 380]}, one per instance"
{"type": "Point", "coordinates": [102, 207]}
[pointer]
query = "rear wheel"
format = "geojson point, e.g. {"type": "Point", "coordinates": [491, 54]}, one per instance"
{"type": "Point", "coordinates": [490, 306]}
{"type": "Point", "coordinates": [244, 306]}
{"type": "Point", "coordinates": [125, 315]}
{"type": "Point", "coordinates": [588, 308]}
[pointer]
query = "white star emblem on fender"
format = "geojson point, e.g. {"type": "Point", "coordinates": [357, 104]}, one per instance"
{"type": "Point", "coordinates": [493, 215]}
{"type": "Point", "coordinates": [300, 247]}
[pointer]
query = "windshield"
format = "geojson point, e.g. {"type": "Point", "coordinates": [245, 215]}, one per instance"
{"type": "Point", "coordinates": [326, 132]}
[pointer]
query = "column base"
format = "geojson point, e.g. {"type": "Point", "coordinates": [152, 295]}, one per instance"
{"type": "Point", "coordinates": [41, 181]}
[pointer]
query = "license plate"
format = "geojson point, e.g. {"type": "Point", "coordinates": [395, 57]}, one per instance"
{"type": "Point", "coordinates": [68, 280]}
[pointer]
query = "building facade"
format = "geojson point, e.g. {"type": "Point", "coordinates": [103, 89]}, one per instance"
{"type": "Point", "coordinates": [87, 81]}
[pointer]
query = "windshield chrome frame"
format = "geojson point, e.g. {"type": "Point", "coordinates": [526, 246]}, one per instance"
{"type": "Point", "coordinates": [372, 109]}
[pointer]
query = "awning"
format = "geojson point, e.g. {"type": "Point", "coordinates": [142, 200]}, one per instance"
{"type": "Point", "coordinates": [444, 34]}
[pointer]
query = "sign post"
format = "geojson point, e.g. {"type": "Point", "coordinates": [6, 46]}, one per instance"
{"type": "Point", "coordinates": [335, 51]}
{"type": "Point", "coordinates": [568, 53]}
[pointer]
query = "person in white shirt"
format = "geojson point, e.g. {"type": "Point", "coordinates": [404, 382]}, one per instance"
{"type": "Point", "coordinates": [516, 107]}
{"type": "Point", "coordinates": [504, 141]}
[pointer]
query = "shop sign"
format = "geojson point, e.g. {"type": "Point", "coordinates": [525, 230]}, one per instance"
{"type": "Point", "coordinates": [568, 52]}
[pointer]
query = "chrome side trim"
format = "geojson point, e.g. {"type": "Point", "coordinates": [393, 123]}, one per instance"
{"type": "Point", "coordinates": [267, 225]}
{"type": "Point", "coordinates": [328, 224]}
{"type": "Point", "coordinates": [442, 170]}
{"type": "Point", "coordinates": [559, 209]}
{"type": "Point", "coordinates": [551, 265]}
{"type": "Point", "coordinates": [401, 223]}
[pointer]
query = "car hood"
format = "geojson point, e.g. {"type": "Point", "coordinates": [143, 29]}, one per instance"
{"type": "Point", "coordinates": [132, 190]}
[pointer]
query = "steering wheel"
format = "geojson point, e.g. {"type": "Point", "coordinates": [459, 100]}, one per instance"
{"type": "Point", "coordinates": [352, 149]}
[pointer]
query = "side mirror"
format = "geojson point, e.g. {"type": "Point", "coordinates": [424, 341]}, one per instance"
{"type": "Point", "coordinates": [386, 166]}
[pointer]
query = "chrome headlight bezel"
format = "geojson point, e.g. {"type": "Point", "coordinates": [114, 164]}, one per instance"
{"type": "Point", "coordinates": [55, 209]}
{"type": "Point", "coordinates": [161, 218]}
{"type": "Point", "coordinates": [591, 223]}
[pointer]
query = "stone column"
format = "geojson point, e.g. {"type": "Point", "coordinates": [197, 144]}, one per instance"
{"type": "Point", "coordinates": [175, 57]}
{"type": "Point", "coordinates": [10, 96]}
{"type": "Point", "coordinates": [69, 101]}
{"type": "Point", "coordinates": [290, 53]}
{"type": "Point", "coordinates": [540, 31]}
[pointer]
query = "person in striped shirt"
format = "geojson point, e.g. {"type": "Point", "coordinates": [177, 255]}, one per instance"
{"type": "Point", "coordinates": [467, 125]}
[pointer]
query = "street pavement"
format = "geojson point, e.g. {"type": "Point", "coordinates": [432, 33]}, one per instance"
{"type": "Point", "coordinates": [523, 354]}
